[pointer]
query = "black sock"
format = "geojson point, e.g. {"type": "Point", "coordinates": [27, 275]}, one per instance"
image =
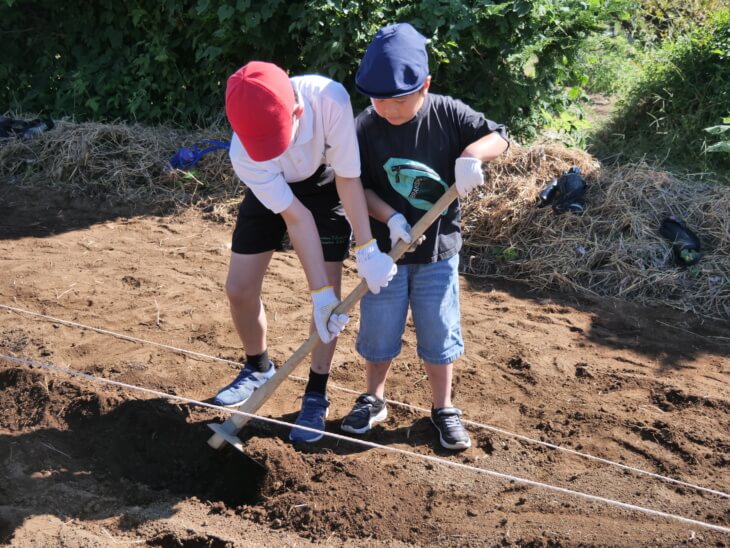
{"type": "Point", "coordinates": [317, 383]}
{"type": "Point", "coordinates": [260, 362]}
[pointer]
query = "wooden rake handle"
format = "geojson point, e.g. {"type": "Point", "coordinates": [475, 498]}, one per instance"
{"type": "Point", "coordinates": [235, 422]}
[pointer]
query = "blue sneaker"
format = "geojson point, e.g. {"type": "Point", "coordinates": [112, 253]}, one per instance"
{"type": "Point", "coordinates": [248, 380]}
{"type": "Point", "coordinates": [315, 408]}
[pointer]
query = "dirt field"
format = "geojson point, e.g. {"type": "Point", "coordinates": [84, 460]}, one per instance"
{"type": "Point", "coordinates": [85, 464]}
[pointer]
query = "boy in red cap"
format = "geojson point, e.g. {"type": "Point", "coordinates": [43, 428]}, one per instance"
{"type": "Point", "coordinates": [413, 146]}
{"type": "Point", "coordinates": [295, 148]}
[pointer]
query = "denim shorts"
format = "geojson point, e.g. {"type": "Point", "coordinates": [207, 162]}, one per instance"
{"type": "Point", "coordinates": [432, 291]}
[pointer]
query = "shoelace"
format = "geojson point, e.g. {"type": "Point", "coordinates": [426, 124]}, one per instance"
{"type": "Point", "coordinates": [310, 412]}
{"type": "Point", "coordinates": [452, 422]}
{"type": "Point", "coordinates": [362, 409]}
{"type": "Point", "coordinates": [243, 375]}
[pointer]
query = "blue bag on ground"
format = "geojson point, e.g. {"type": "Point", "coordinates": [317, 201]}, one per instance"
{"type": "Point", "coordinates": [185, 158]}
{"type": "Point", "coordinates": [10, 127]}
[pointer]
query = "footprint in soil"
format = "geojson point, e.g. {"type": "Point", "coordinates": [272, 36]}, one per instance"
{"type": "Point", "coordinates": [522, 369]}
{"type": "Point", "coordinates": [581, 371]}
{"type": "Point", "coordinates": [15, 340]}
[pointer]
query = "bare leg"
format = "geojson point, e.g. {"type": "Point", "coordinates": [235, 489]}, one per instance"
{"type": "Point", "coordinates": [376, 373]}
{"type": "Point", "coordinates": [243, 287]}
{"type": "Point", "coordinates": [323, 353]}
{"type": "Point", "coordinates": [440, 377]}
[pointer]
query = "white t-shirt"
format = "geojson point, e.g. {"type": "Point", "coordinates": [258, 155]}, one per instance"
{"type": "Point", "coordinates": [326, 135]}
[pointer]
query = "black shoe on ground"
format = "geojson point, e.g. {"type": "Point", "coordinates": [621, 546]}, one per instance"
{"type": "Point", "coordinates": [452, 433]}
{"type": "Point", "coordinates": [367, 411]}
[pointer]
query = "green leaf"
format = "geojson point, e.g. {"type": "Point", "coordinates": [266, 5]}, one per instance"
{"type": "Point", "coordinates": [225, 12]}
{"type": "Point", "coordinates": [202, 7]}
{"type": "Point", "coordinates": [575, 93]}
{"type": "Point", "coordinates": [137, 15]}
{"type": "Point", "coordinates": [722, 146]}
{"type": "Point", "coordinates": [529, 68]}
{"type": "Point", "coordinates": [115, 37]}
{"type": "Point", "coordinates": [717, 130]}
{"type": "Point", "coordinates": [93, 104]}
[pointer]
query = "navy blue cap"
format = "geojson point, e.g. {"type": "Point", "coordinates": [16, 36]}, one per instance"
{"type": "Point", "coordinates": [394, 64]}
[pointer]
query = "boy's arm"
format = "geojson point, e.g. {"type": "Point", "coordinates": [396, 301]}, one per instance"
{"type": "Point", "coordinates": [378, 208]}
{"type": "Point", "coordinates": [398, 226]}
{"type": "Point", "coordinates": [352, 197]}
{"type": "Point", "coordinates": [376, 267]}
{"type": "Point", "coordinates": [487, 148]}
{"type": "Point", "coordinates": [468, 172]}
{"type": "Point", "coordinates": [305, 239]}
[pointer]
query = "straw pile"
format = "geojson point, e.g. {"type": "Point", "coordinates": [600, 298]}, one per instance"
{"type": "Point", "coordinates": [125, 162]}
{"type": "Point", "coordinates": [614, 249]}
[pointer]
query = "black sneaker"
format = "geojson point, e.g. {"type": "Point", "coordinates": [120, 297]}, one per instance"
{"type": "Point", "coordinates": [452, 433]}
{"type": "Point", "coordinates": [366, 411]}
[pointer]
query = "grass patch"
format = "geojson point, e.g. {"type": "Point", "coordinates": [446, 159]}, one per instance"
{"type": "Point", "coordinates": [684, 89]}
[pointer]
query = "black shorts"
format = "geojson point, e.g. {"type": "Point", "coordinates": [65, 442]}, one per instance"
{"type": "Point", "coordinates": [258, 229]}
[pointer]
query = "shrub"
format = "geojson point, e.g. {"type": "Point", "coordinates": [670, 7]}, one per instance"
{"type": "Point", "coordinates": [684, 89]}
{"type": "Point", "coordinates": [154, 62]}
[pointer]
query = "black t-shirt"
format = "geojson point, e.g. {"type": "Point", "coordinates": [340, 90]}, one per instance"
{"type": "Point", "coordinates": [410, 166]}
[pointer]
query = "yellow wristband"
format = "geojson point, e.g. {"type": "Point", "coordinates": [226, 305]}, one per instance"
{"type": "Point", "coordinates": [325, 288]}
{"type": "Point", "coordinates": [358, 248]}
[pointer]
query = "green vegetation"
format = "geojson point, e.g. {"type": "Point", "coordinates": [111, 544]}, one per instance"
{"type": "Point", "coordinates": [720, 146]}
{"type": "Point", "coordinates": [682, 88]}
{"type": "Point", "coordinates": [532, 64]}
{"type": "Point", "coordinates": [167, 62]}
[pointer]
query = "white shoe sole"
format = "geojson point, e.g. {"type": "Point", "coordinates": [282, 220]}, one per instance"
{"type": "Point", "coordinates": [313, 440]}
{"type": "Point", "coordinates": [381, 416]}
{"type": "Point", "coordinates": [458, 445]}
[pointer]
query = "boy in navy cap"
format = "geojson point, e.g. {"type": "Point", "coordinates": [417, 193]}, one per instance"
{"type": "Point", "coordinates": [413, 146]}
{"type": "Point", "coordinates": [295, 148]}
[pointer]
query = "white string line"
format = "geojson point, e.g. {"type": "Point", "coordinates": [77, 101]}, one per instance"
{"type": "Point", "coordinates": [114, 334]}
{"type": "Point", "coordinates": [550, 445]}
{"type": "Point", "coordinates": [393, 402]}
{"type": "Point", "coordinates": [430, 458]}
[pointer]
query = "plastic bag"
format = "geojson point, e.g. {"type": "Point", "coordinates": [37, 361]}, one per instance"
{"type": "Point", "coordinates": [685, 243]}
{"type": "Point", "coordinates": [567, 193]}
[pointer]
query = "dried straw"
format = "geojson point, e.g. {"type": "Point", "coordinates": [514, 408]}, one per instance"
{"type": "Point", "coordinates": [614, 249]}
{"type": "Point", "coordinates": [127, 162]}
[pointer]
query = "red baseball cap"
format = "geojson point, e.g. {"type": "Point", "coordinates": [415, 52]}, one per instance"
{"type": "Point", "coordinates": [259, 105]}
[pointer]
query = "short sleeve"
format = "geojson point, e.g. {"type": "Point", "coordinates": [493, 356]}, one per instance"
{"type": "Point", "coordinates": [365, 175]}
{"type": "Point", "coordinates": [473, 125]}
{"type": "Point", "coordinates": [341, 149]}
{"type": "Point", "coordinates": [268, 185]}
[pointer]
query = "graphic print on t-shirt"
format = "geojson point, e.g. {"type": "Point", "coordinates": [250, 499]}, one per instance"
{"type": "Point", "coordinates": [416, 182]}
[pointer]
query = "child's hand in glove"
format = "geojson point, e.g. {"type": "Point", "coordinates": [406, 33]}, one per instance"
{"type": "Point", "coordinates": [374, 266]}
{"type": "Point", "coordinates": [328, 325]}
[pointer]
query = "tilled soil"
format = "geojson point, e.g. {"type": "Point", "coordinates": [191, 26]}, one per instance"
{"type": "Point", "coordinates": [88, 464]}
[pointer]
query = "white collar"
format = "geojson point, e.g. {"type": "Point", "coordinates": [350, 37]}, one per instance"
{"type": "Point", "coordinates": [306, 123]}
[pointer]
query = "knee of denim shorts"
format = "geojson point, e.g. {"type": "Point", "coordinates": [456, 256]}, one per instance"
{"type": "Point", "coordinates": [444, 358]}
{"type": "Point", "coordinates": [383, 320]}
{"type": "Point", "coordinates": [436, 312]}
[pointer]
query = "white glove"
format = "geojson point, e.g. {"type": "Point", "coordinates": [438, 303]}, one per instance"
{"type": "Point", "coordinates": [399, 229]}
{"type": "Point", "coordinates": [375, 266]}
{"type": "Point", "coordinates": [468, 175]}
{"type": "Point", "coordinates": [328, 325]}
